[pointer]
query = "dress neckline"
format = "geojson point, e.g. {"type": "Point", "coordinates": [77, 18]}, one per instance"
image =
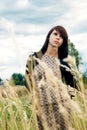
{"type": "Point", "coordinates": [50, 56]}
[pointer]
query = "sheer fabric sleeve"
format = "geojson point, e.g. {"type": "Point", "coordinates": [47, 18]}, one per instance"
{"type": "Point", "coordinates": [29, 73]}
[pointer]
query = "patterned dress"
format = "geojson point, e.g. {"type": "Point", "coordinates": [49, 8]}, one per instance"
{"type": "Point", "coordinates": [53, 107]}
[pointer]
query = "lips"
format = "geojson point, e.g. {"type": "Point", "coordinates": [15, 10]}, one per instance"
{"type": "Point", "coordinates": [56, 41]}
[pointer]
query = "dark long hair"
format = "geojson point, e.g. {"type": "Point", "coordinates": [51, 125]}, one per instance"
{"type": "Point", "coordinates": [63, 49]}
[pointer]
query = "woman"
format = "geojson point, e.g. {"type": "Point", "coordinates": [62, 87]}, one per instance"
{"type": "Point", "coordinates": [53, 109]}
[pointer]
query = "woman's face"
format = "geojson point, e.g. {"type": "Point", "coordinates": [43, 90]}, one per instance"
{"type": "Point", "coordinates": [55, 39]}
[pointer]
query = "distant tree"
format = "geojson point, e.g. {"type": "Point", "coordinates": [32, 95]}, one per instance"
{"type": "Point", "coordinates": [0, 79]}
{"type": "Point", "coordinates": [74, 52]}
{"type": "Point", "coordinates": [85, 77]}
{"type": "Point", "coordinates": [18, 79]}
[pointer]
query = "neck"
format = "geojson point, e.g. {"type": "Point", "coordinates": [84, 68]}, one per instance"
{"type": "Point", "coordinates": [52, 51]}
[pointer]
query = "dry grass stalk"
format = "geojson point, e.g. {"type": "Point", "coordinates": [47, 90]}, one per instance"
{"type": "Point", "coordinates": [12, 113]}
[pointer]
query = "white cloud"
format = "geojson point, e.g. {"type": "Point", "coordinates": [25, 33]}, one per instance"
{"type": "Point", "coordinates": [31, 22]}
{"type": "Point", "coordinates": [30, 28]}
{"type": "Point", "coordinates": [80, 41]}
{"type": "Point", "coordinates": [22, 4]}
{"type": "Point", "coordinates": [74, 16]}
{"type": "Point", "coordinates": [14, 59]}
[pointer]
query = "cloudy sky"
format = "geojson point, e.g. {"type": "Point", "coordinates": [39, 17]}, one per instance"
{"type": "Point", "coordinates": [24, 25]}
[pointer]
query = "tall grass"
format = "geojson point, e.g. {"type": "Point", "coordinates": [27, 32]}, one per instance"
{"type": "Point", "coordinates": [15, 112]}
{"type": "Point", "coordinates": [79, 117]}
{"type": "Point", "coordinates": [18, 111]}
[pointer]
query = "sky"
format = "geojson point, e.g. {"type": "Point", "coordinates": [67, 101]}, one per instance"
{"type": "Point", "coordinates": [24, 25]}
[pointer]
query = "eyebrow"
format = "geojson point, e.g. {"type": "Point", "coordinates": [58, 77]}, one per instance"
{"type": "Point", "coordinates": [56, 31]}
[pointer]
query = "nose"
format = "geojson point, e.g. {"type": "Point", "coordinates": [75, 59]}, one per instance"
{"type": "Point", "coordinates": [58, 37]}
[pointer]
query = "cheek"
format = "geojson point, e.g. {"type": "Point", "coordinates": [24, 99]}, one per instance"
{"type": "Point", "coordinates": [50, 39]}
{"type": "Point", "coordinates": [61, 41]}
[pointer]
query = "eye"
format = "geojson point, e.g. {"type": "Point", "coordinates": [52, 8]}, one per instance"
{"type": "Point", "coordinates": [55, 33]}
{"type": "Point", "coordinates": [61, 36]}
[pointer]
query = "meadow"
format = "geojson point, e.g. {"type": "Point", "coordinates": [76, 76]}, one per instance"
{"type": "Point", "coordinates": [16, 109]}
